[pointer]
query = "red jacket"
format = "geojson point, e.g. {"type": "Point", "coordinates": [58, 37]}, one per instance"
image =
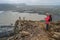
{"type": "Point", "coordinates": [47, 19]}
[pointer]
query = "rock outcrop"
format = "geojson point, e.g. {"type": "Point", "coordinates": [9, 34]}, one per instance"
{"type": "Point", "coordinates": [32, 30]}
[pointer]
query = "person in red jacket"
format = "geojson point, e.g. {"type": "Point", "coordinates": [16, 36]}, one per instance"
{"type": "Point", "coordinates": [47, 21]}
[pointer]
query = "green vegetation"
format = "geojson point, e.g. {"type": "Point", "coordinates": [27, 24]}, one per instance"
{"type": "Point", "coordinates": [42, 20]}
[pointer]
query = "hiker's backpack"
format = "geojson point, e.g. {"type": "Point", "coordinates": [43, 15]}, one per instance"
{"type": "Point", "coordinates": [50, 18]}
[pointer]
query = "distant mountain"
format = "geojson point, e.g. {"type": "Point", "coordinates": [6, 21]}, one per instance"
{"type": "Point", "coordinates": [5, 7]}
{"type": "Point", "coordinates": [30, 8]}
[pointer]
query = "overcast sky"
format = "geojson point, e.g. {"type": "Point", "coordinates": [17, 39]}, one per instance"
{"type": "Point", "coordinates": [35, 2]}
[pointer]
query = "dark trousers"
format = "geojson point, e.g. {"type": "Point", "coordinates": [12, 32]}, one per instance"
{"type": "Point", "coordinates": [47, 27]}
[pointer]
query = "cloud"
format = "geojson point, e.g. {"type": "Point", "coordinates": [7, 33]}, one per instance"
{"type": "Point", "coordinates": [44, 1]}
{"type": "Point", "coordinates": [32, 1]}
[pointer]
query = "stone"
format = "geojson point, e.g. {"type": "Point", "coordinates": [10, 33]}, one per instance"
{"type": "Point", "coordinates": [56, 35]}
{"type": "Point", "coordinates": [24, 33]}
